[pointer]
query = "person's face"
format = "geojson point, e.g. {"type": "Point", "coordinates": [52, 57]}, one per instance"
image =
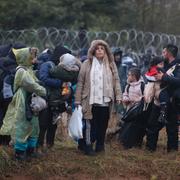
{"type": "Point", "coordinates": [33, 52]}
{"type": "Point", "coordinates": [100, 52]}
{"type": "Point", "coordinates": [165, 54]}
{"type": "Point", "coordinates": [131, 77]}
{"type": "Point", "coordinates": [117, 57]}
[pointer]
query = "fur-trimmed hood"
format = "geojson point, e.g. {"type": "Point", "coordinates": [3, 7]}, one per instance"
{"type": "Point", "coordinates": [93, 46]}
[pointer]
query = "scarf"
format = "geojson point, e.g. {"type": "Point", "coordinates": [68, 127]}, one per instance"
{"type": "Point", "coordinates": [101, 89]}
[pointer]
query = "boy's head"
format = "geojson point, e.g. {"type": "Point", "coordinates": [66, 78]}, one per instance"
{"type": "Point", "coordinates": [134, 74]}
{"type": "Point", "coordinates": [157, 61]}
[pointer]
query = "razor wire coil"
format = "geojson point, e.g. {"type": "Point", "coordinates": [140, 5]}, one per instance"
{"type": "Point", "coordinates": [131, 40]}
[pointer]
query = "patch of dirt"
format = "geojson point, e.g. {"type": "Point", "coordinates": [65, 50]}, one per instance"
{"type": "Point", "coordinates": [64, 161]}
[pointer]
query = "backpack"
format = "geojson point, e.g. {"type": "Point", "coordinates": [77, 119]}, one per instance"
{"type": "Point", "coordinates": [33, 103]}
{"type": "Point", "coordinates": [2, 76]}
{"type": "Point", "coordinates": [7, 91]}
{"type": "Point", "coordinates": [142, 87]}
{"type": "Point", "coordinates": [135, 110]}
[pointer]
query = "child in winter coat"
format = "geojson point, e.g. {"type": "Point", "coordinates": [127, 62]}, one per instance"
{"type": "Point", "coordinates": [133, 92]}
{"type": "Point", "coordinates": [133, 131]}
{"type": "Point", "coordinates": [24, 132]}
{"type": "Point", "coordinates": [68, 68]}
{"type": "Point", "coordinates": [67, 71]}
{"type": "Point", "coordinates": [156, 91]}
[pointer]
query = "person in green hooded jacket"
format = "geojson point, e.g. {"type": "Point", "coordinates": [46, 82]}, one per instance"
{"type": "Point", "coordinates": [24, 133]}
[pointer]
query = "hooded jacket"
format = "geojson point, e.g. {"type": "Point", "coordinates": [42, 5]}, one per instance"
{"type": "Point", "coordinates": [133, 92]}
{"type": "Point", "coordinates": [82, 94]}
{"type": "Point", "coordinates": [58, 52]}
{"type": "Point", "coordinates": [67, 70]}
{"type": "Point", "coordinates": [15, 122]}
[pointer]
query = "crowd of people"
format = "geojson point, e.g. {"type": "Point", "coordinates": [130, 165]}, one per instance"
{"type": "Point", "coordinates": [100, 81]}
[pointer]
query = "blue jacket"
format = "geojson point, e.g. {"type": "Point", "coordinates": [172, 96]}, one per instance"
{"type": "Point", "coordinates": [44, 76]}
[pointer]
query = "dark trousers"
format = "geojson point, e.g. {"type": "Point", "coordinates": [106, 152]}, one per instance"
{"type": "Point", "coordinates": [47, 129]}
{"type": "Point", "coordinates": [154, 127]}
{"type": "Point", "coordinates": [4, 139]}
{"type": "Point", "coordinates": [164, 96]}
{"type": "Point", "coordinates": [99, 125]}
{"type": "Point", "coordinates": [94, 130]}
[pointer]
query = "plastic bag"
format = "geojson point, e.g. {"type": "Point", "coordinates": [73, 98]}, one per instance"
{"type": "Point", "coordinates": [75, 124]}
{"type": "Point", "coordinates": [38, 103]}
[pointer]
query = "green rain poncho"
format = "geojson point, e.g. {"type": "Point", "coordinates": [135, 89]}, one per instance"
{"type": "Point", "coordinates": [15, 122]}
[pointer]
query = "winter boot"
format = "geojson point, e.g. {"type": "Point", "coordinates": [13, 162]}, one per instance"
{"type": "Point", "coordinates": [99, 148]}
{"type": "Point", "coordinates": [89, 150]}
{"type": "Point", "coordinates": [81, 145]}
{"type": "Point", "coordinates": [32, 153]}
{"type": "Point", "coordinates": [20, 155]}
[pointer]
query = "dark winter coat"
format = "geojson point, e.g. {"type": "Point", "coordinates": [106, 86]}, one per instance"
{"type": "Point", "coordinates": [45, 78]}
{"type": "Point", "coordinates": [173, 81]}
{"type": "Point", "coordinates": [52, 85]}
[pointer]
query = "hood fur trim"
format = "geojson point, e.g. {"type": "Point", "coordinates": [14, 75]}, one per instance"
{"type": "Point", "coordinates": [93, 46]}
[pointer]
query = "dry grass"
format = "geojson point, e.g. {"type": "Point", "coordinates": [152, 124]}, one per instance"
{"type": "Point", "coordinates": [64, 161]}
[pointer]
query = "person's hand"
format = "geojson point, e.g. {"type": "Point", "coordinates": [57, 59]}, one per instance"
{"type": "Point", "coordinates": [126, 102]}
{"type": "Point", "coordinates": [159, 76]}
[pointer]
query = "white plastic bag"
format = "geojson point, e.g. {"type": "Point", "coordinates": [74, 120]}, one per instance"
{"type": "Point", "coordinates": [75, 124]}
{"type": "Point", "coordinates": [38, 103]}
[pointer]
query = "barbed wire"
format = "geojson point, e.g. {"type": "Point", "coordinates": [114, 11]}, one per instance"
{"type": "Point", "coordinates": [131, 40]}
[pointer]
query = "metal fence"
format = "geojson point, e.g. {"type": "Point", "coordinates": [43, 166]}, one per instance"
{"type": "Point", "coordinates": [128, 40]}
